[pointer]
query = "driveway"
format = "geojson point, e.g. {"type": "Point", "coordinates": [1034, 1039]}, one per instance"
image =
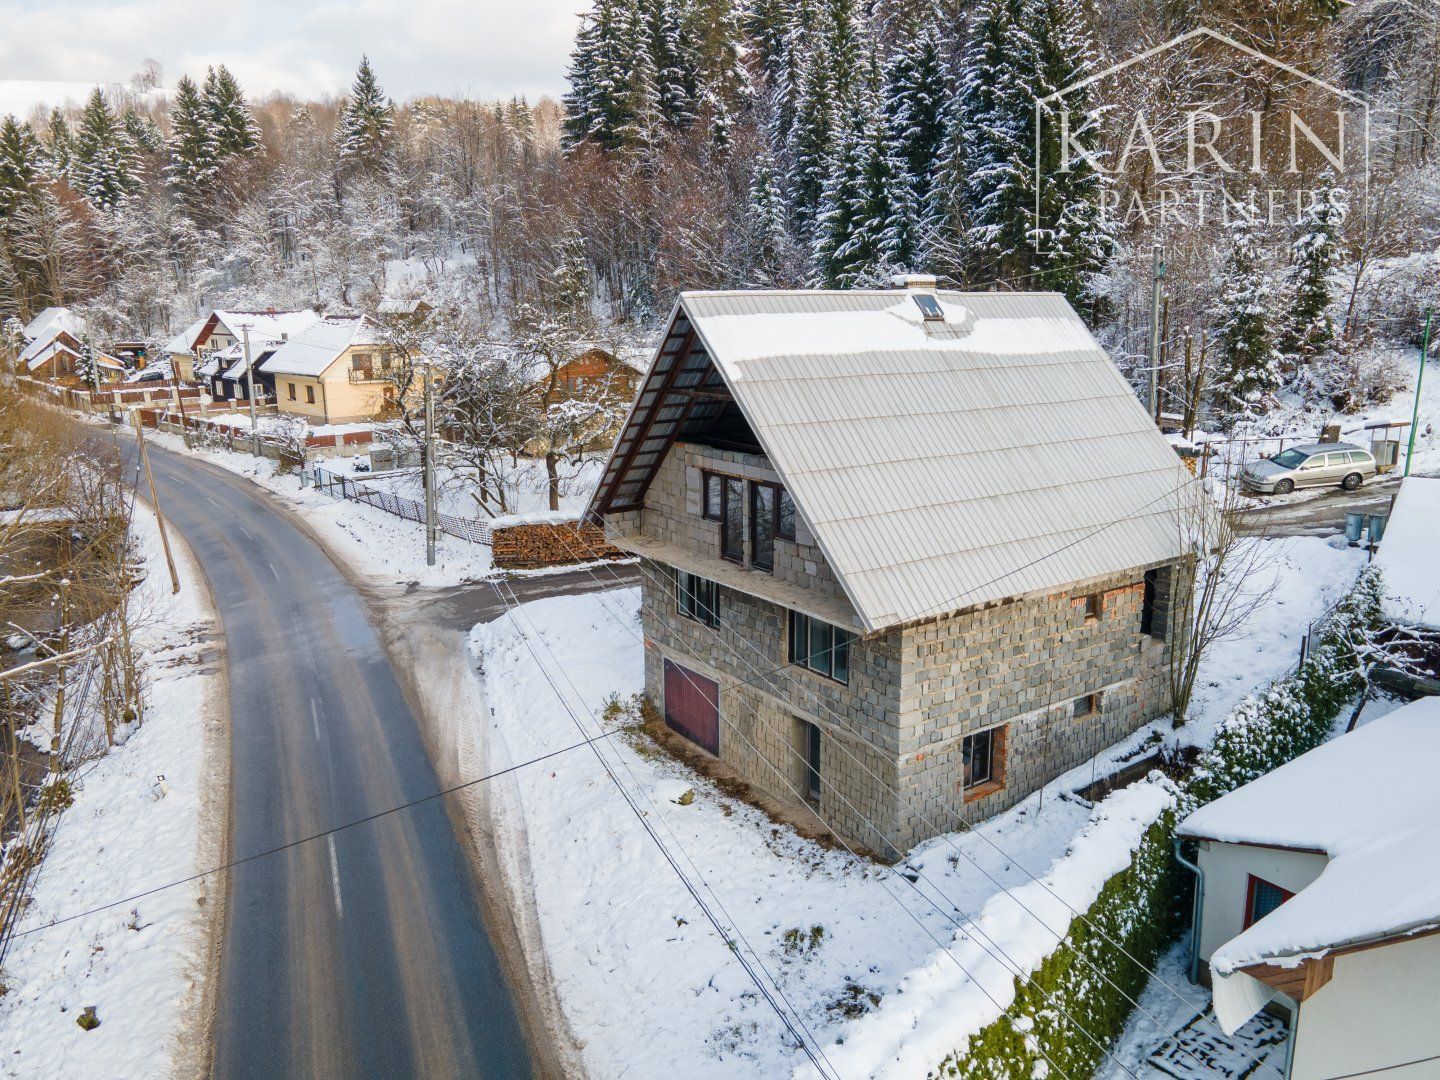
{"type": "Point", "coordinates": [362, 954]}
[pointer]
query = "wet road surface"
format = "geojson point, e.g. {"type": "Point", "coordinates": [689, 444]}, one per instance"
{"type": "Point", "coordinates": [361, 954]}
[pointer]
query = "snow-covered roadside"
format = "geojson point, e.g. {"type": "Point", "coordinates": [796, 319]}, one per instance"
{"type": "Point", "coordinates": [361, 538]}
{"type": "Point", "coordinates": [617, 925]}
{"type": "Point", "coordinates": [149, 812]}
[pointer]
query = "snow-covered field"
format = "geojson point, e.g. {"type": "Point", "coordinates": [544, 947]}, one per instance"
{"type": "Point", "coordinates": [591, 864]}
{"type": "Point", "coordinates": [147, 813]}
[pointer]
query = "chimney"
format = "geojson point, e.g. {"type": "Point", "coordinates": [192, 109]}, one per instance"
{"type": "Point", "coordinates": [913, 281]}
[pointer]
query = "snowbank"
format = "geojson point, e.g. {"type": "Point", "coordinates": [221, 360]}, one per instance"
{"type": "Point", "coordinates": [147, 813]}
{"type": "Point", "coordinates": [1407, 554]}
{"type": "Point", "coordinates": [970, 983]}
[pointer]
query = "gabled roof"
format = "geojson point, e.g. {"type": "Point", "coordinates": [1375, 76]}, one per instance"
{"type": "Point", "coordinates": [264, 326]}
{"type": "Point", "coordinates": [1406, 556]}
{"type": "Point", "coordinates": [319, 346]}
{"type": "Point", "coordinates": [51, 321]}
{"type": "Point", "coordinates": [1381, 836]}
{"type": "Point", "coordinates": [235, 372]}
{"type": "Point", "coordinates": [63, 343]}
{"type": "Point", "coordinates": [995, 453]}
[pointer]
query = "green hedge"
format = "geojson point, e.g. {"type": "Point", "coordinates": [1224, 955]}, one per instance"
{"type": "Point", "coordinates": [1142, 908]}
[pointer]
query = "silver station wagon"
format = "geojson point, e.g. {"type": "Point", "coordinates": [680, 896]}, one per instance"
{"type": "Point", "coordinates": [1316, 465]}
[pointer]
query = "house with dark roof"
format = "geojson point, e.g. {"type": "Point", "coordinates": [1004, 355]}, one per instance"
{"type": "Point", "coordinates": [908, 555]}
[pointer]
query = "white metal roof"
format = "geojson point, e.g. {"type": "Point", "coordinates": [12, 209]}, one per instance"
{"type": "Point", "coordinates": [945, 464]}
{"type": "Point", "coordinates": [316, 348]}
{"type": "Point", "coordinates": [184, 341]}
{"type": "Point", "coordinates": [267, 325]}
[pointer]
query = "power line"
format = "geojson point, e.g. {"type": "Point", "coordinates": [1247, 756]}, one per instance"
{"type": "Point", "coordinates": [1079, 915]}
{"type": "Point", "coordinates": [512, 607]}
{"type": "Point", "coordinates": [1006, 960]}
{"type": "Point", "coordinates": [314, 836]}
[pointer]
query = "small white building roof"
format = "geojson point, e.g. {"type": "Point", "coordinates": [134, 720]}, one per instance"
{"type": "Point", "coordinates": [184, 342]}
{"type": "Point", "coordinates": [51, 321]}
{"type": "Point", "coordinates": [1370, 803]}
{"type": "Point", "coordinates": [1407, 554]}
{"type": "Point", "coordinates": [993, 452]}
{"type": "Point", "coordinates": [316, 348]}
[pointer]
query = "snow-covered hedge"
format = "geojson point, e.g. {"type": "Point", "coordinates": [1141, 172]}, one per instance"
{"type": "Point", "coordinates": [1079, 998]}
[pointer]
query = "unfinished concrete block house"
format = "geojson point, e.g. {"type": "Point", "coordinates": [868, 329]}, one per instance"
{"type": "Point", "coordinates": [908, 554]}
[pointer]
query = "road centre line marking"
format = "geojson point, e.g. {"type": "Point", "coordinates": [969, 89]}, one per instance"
{"type": "Point", "coordinates": [245, 531]}
{"type": "Point", "coordinates": [315, 719]}
{"type": "Point", "coordinates": [335, 876]}
{"type": "Point", "coordinates": [273, 570]}
{"type": "Point", "coordinates": [213, 503]}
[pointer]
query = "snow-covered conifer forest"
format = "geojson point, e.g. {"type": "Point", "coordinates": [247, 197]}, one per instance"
{"type": "Point", "coordinates": [756, 143]}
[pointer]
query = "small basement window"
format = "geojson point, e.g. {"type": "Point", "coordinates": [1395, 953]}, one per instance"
{"type": "Point", "coordinates": [822, 648]}
{"type": "Point", "coordinates": [982, 756]}
{"type": "Point", "coordinates": [1088, 705]}
{"type": "Point", "coordinates": [1261, 898]}
{"type": "Point", "coordinates": [1094, 605]}
{"type": "Point", "coordinates": [696, 598]}
{"type": "Point", "coordinates": [1155, 606]}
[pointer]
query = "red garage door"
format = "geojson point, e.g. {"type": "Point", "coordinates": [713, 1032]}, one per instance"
{"type": "Point", "coordinates": [692, 706]}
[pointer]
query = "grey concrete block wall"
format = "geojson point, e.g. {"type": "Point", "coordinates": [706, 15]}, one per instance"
{"type": "Point", "coordinates": [891, 739]}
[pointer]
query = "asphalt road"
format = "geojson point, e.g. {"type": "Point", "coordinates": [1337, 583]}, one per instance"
{"type": "Point", "coordinates": [362, 954]}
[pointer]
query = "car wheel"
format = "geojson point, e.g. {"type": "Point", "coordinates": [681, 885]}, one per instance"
{"type": "Point", "coordinates": [1284, 487]}
{"type": "Point", "coordinates": [1351, 481]}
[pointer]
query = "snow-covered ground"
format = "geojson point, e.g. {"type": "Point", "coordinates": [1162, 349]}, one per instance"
{"type": "Point", "coordinates": [364, 539]}
{"type": "Point", "coordinates": [526, 492]}
{"type": "Point", "coordinates": [1296, 423]}
{"type": "Point", "coordinates": [570, 838]}
{"type": "Point", "coordinates": [147, 813]}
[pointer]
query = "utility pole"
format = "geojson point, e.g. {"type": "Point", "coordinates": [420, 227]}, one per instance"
{"type": "Point", "coordinates": [429, 466]}
{"type": "Point", "coordinates": [1419, 381]}
{"type": "Point", "coordinates": [180, 403]}
{"type": "Point", "coordinates": [250, 389]}
{"type": "Point", "coordinates": [1157, 275]}
{"type": "Point", "coordinates": [155, 501]}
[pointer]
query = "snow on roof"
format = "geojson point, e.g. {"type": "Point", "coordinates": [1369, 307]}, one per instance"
{"type": "Point", "coordinates": [236, 369]}
{"type": "Point", "coordinates": [184, 341]}
{"type": "Point", "coordinates": [316, 348]}
{"type": "Point", "coordinates": [267, 325]}
{"type": "Point", "coordinates": [939, 464]}
{"type": "Point", "coordinates": [397, 306]}
{"type": "Point", "coordinates": [1367, 800]}
{"type": "Point", "coordinates": [1406, 556]}
{"type": "Point", "coordinates": [51, 321]}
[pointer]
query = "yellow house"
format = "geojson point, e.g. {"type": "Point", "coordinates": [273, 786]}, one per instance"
{"type": "Point", "coordinates": [335, 372]}
{"type": "Point", "coordinates": [221, 329]}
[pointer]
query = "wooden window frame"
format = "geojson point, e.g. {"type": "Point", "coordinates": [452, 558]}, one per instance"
{"type": "Point", "coordinates": [999, 745]}
{"type": "Point", "coordinates": [752, 497]}
{"type": "Point", "coordinates": [310, 395]}
{"type": "Point", "coordinates": [291, 387]}
{"type": "Point", "coordinates": [726, 481]}
{"type": "Point", "coordinates": [1252, 885]}
{"type": "Point", "coordinates": [1094, 606]}
{"type": "Point", "coordinates": [1094, 705]}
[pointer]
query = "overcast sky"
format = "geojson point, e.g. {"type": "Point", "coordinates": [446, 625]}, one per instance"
{"type": "Point", "coordinates": [484, 48]}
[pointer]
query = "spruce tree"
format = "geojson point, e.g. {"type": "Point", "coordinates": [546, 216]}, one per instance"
{"type": "Point", "coordinates": [916, 95]}
{"type": "Point", "coordinates": [867, 211]}
{"type": "Point", "coordinates": [144, 133]}
{"type": "Point", "coordinates": [673, 63]}
{"type": "Point", "coordinates": [105, 159]}
{"type": "Point", "coordinates": [87, 369]}
{"type": "Point", "coordinates": [811, 136]}
{"type": "Point", "coordinates": [60, 145]}
{"type": "Point", "coordinates": [1248, 367]}
{"type": "Point", "coordinates": [1070, 241]}
{"type": "Point", "coordinates": [365, 125]}
{"type": "Point", "coordinates": [1314, 254]}
{"type": "Point", "coordinates": [233, 124]}
{"type": "Point", "coordinates": [193, 148]}
{"type": "Point", "coordinates": [769, 251]}
{"type": "Point", "coordinates": [21, 165]}
{"type": "Point", "coordinates": [605, 88]}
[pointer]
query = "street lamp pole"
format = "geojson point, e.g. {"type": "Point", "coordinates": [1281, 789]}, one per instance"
{"type": "Point", "coordinates": [250, 389]}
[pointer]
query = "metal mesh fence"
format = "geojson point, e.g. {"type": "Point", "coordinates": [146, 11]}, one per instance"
{"type": "Point", "coordinates": [342, 487]}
